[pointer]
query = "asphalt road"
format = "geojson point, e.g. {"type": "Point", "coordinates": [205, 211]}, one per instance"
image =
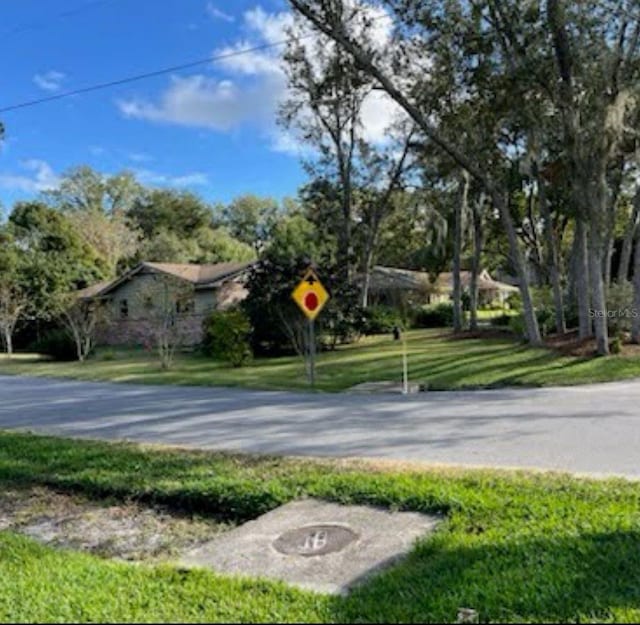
{"type": "Point", "coordinates": [585, 429]}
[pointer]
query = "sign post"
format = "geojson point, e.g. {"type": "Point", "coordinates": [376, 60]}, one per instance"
{"type": "Point", "coordinates": [311, 296]}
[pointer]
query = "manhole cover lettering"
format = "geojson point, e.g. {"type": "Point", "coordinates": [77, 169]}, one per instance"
{"type": "Point", "coordinates": [315, 540]}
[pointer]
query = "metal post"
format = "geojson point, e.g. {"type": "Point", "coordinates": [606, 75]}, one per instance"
{"type": "Point", "coordinates": [312, 353]}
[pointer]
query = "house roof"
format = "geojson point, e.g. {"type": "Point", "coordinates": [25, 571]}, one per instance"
{"type": "Point", "coordinates": [405, 279]}
{"type": "Point", "coordinates": [93, 290]}
{"type": "Point", "coordinates": [201, 276]}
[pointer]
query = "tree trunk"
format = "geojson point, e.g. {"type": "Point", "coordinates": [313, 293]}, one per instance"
{"type": "Point", "coordinates": [598, 290]}
{"type": "Point", "coordinates": [8, 341]}
{"type": "Point", "coordinates": [460, 210]}
{"type": "Point", "coordinates": [581, 274]}
{"type": "Point", "coordinates": [607, 259]}
{"type": "Point", "coordinates": [552, 258]}
{"type": "Point", "coordinates": [635, 322]}
{"type": "Point", "coordinates": [627, 244]}
{"type": "Point", "coordinates": [475, 262]}
{"type": "Point", "coordinates": [530, 319]}
{"type": "Point", "coordinates": [368, 268]}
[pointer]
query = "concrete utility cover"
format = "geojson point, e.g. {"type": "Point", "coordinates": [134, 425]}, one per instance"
{"type": "Point", "coordinates": [314, 545]}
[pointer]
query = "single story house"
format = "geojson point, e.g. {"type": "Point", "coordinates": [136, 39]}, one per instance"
{"type": "Point", "coordinates": [390, 283]}
{"type": "Point", "coordinates": [130, 305]}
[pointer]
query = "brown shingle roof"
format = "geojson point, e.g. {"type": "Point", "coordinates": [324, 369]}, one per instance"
{"type": "Point", "coordinates": [395, 278]}
{"type": "Point", "coordinates": [199, 275]}
{"type": "Point", "coordinates": [93, 290]}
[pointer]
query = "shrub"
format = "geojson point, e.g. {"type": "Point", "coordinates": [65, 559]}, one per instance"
{"type": "Point", "coordinates": [546, 316]}
{"type": "Point", "coordinates": [517, 325]}
{"type": "Point", "coordinates": [57, 344]}
{"type": "Point", "coordinates": [619, 307]}
{"type": "Point", "coordinates": [501, 321]}
{"type": "Point", "coordinates": [438, 316]}
{"type": "Point", "coordinates": [380, 320]}
{"type": "Point", "coordinates": [227, 336]}
{"type": "Point", "coordinates": [615, 344]}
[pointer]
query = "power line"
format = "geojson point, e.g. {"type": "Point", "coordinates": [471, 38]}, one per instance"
{"type": "Point", "coordinates": [138, 77]}
{"type": "Point", "coordinates": [161, 72]}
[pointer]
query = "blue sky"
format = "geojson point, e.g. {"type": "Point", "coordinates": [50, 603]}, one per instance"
{"type": "Point", "coordinates": [210, 129]}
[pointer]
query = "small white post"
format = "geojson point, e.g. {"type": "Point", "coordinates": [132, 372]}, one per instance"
{"type": "Point", "coordinates": [405, 368]}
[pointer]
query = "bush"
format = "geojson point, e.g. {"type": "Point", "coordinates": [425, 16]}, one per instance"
{"type": "Point", "coordinates": [438, 316]}
{"type": "Point", "coordinates": [501, 321]}
{"type": "Point", "coordinates": [517, 325]}
{"type": "Point", "coordinates": [546, 322]}
{"type": "Point", "coordinates": [57, 344]}
{"type": "Point", "coordinates": [619, 307]}
{"type": "Point", "coordinates": [380, 320]}
{"type": "Point", "coordinates": [616, 343]}
{"type": "Point", "coordinates": [227, 337]}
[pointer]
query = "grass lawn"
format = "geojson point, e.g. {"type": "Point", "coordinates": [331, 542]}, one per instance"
{"type": "Point", "coordinates": [435, 358]}
{"type": "Point", "coordinates": [516, 547]}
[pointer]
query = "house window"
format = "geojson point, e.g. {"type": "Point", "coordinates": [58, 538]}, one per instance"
{"type": "Point", "coordinates": [185, 306]}
{"type": "Point", "coordinates": [124, 309]}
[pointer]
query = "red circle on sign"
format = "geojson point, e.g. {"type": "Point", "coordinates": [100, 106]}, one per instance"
{"type": "Point", "coordinates": [311, 301]}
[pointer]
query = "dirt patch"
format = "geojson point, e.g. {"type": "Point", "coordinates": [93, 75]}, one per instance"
{"type": "Point", "coordinates": [569, 344]}
{"type": "Point", "coordinates": [486, 333]}
{"type": "Point", "coordinates": [122, 531]}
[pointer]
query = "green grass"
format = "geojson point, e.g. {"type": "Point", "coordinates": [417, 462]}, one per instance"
{"type": "Point", "coordinates": [435, 358]}
{"type": "Point", "coordinates": [515, 546]}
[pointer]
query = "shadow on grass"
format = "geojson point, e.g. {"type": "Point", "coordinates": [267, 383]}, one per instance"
{"type": "Point", "coordinates": [589, 577]}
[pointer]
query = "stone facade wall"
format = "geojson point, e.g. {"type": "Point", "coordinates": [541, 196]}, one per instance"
{"type": "Point", "coordinates": [139, 332]}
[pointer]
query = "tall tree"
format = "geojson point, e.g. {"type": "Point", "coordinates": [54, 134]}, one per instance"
{"type": "Point", "coordinates": [97, 206]}
{"type": "Point", "coordinates": [434, 33]}
{"type": "Point", "coordinates": [250, 219]}
{"type": "Point", "coordinates": [327, 93]}
{"type": "Point", "coordinates": [55, 259]}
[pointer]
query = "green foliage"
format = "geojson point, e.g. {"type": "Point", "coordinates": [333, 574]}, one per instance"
{"type": "Point", "coordinates": [53, 258]}
{"type": "Point", "coordinates": [250, 219]}
{"type": "Point", "coordinates": [615, 345]}
{"type": "Point", "coordinates": [515, 546]}
{"type": "Point", "coordinates": [435, 316]}
{"type": "Point", "coordinates": [227, 336]}
{"type": "Point", "coordinates": [57, 344]}
{"type": "Point", "coordinates": [620, 307]}
{"type": "Point", "coordinates": [179, 212]}
{"type": "Point", "coordinates": [380, 320]}
{"type": "Point", "coordinates": [271, 311]}
{"type": "Point", "coordinates": [501, 321]}
{"type": "Point", "coordinates": [517, 325]}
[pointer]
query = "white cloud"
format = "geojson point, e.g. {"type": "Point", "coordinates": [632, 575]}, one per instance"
{"type": "Point", "coordinates": [254, 85]}
{"type": "Point", "coordinates": [139, 157]}
{"type": "Point", "coordinates": [154, 178]}
{"type": "Point", "coordinates": [41, 178]}
{"type": "Point", "coordinates": [203, 102]}
{"type": "Point", "coordinates": [50, 81]}
{"type": "Point", "coordinates": [218, 14]}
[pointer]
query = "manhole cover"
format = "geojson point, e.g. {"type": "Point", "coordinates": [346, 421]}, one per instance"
{"type": "Point", "coordinates": [315, 540]}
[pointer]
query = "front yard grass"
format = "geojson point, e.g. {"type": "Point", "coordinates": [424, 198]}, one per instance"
{"type": "Point", "coordinates": [435, 358]}
{"type": "Point", "coordinates": [516, 546]}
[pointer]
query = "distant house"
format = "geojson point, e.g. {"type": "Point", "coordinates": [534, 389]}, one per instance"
{"type": "Point", "coordinates": [388, 284]}
{"type": "Point", "coordinates": [127, 298]}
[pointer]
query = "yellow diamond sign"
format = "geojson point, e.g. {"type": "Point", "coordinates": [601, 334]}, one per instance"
{"type": "Point", "coordinates": [310, 295]}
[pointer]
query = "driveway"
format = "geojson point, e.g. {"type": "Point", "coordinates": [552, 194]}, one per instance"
{"type": "Point", "coordinates": [585, 429]}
